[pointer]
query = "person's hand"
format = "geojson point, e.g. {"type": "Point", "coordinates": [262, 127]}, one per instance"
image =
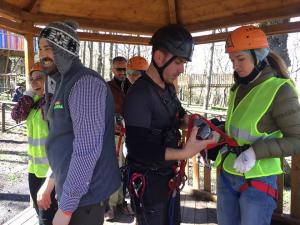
{"type": "Point", "coordinates": [44, 194]}
{"type": "Point", "coordinates": [61, 218]}
{"type": "Point", "coordinates": [194, 146]}
{"type": "Point", "coordinates": [245, 161]}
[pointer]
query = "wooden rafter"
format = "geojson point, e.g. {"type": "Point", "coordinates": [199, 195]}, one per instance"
{"type": "Point", "coordinates": [95, 24]}
{"type": "Point", "coordinates": [172, 11]}
{"type": "Point", "coordinates": [269, 30]}
{"type": "Point", "coordinates": [33, 6]}
{"type": "Point", "coordinates": [10, 12]}
{"type": "Point", "coordinates": [246, 18]}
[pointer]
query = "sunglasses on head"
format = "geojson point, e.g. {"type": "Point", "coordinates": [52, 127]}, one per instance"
{"type": "Point", "coordinates": [120, 69]}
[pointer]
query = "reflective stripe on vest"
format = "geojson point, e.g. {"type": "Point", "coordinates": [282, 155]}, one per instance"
{"type": "Point", "coordinates": [241, 124]}
{"type": "Point", "coordinates": [36, 142]}
{"type": "Point", "coordinates": [37, 132]}
{"type": "Point", "coordinates": [37, 161]}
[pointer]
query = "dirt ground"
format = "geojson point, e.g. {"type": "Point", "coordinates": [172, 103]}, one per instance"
{"type": "Point", "coordinates": [14, 192]}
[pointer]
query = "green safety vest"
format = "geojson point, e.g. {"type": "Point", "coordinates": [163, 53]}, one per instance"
{"type": "Point", "coordinates": [37, 133]}
{"type": "Point", "coordinates": [241, 124]}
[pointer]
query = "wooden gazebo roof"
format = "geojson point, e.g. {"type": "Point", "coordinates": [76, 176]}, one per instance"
{"type": "Point", "coordinates": [143, 17]}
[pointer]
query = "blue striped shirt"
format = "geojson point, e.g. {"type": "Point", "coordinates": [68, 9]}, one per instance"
{"type": "Point", "coordinates": [87, 110]}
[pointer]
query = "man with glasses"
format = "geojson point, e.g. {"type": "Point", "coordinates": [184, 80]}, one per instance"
{"type": "Point", "coordinates": [119, 86]}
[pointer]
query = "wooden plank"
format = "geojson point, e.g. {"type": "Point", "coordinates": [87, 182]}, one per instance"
{"type": "Point", "coordinates": [172, 11]}
{"type": "Point", "coordinates": [22, 217]}
{"type": "Point", "coordinates": [10, 12]}
{"type": "Point", "coordinates": [196, 178]}
{"type": "Point", "coordinates": [280, 183]}
{"type": "Point", "coordinates": [295, 187]}
{"type": "Point", "coordinates": [188, 215]}
{"type": "Point", "coordinates": [207, 178]}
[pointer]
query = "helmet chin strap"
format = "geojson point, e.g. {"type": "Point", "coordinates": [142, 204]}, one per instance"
{"type": "Point", "coordinates": [161, 69]}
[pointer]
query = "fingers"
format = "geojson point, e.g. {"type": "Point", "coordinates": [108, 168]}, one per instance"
{"type": "Point", "coordinates": [44, 201]}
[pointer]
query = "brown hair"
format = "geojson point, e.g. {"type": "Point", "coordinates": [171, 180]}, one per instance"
{"type": "Point", "coordinates": [278, 64]}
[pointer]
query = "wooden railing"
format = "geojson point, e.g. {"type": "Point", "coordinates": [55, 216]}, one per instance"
{"type": "Point", "coordinates": [4, 106]}
{"type": "Point", "coordinates": [278, 217]}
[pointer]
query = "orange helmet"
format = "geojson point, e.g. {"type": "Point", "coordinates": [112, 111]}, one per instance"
{"type": "Point", "coordinates": [137, 63]}
{"type": "Point", "coordinates": [36, 67]}
{"type": "Point", "coordinates": [246, 38]}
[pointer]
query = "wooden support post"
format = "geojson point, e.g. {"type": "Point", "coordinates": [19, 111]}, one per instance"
{"type": "Point", "coordinates": [29, 55]}
{"type": "Point", "coordinates": [295, 187]}
{"type": "Point", "coordinates": [280, 183]}
{"type": "Point", "coordinates": [196, 180]}
{"type": "Point", "coordinates": [3, 116]}
{"type": "Point", "coordinates": [207, 179]}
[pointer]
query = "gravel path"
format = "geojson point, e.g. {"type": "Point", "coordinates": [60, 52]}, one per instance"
{"type": "Point", "coordinates": [14, 192]}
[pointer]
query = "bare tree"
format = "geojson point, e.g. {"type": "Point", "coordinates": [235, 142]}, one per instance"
{"type": "Point", "coordinates": [91, 50]}
{"type": "Point", "coordinates": [100, 59]}
{"type": "Point", "coordinates": [83, 55]}
{"type": "Point", "coordinates": [111, 51]}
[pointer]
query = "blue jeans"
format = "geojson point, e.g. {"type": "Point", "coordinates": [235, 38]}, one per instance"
{"type": "Point", "coordinates": [252, 207]}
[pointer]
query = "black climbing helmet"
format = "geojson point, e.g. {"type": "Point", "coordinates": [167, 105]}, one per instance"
{"type": "Point", "coordinates": [175, 39]}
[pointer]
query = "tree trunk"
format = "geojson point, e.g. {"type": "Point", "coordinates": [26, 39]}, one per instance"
{"type": "Point", "coordinates": [208, 77]}
{"type": "Point", "coordinates": [278, 43]}
{"type": "Point", "coordinates": [111, 49]}
{"type": "Point", "coordinates": [91, 49]}
{"type": "Point", "coordinates": [100, 59]}
{"type": "Point", "coordinates": [83, 53]}
{"type": "Point", "coordinates": [103, 60]}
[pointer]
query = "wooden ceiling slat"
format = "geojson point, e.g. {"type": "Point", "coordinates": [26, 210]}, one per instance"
{"type": "Point", "coordinates": [235, 20]}
{"type": "Point", "coordinates": [33, 6]}
{"type": "Point", "coordinates": [172, 11]}
{"type": "Point", "coordinates": [269, 30]}
{"type": "Point", "coordinates": [97, 25]}
{"type": "Point", "coordinates": [9, 11]}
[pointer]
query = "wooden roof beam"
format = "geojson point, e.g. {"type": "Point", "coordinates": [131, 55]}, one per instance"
{"type": "Point", "coordinates": [172, 11]}
{"type": "Point", "coordinates": [33, 6]}
{"type": "Point", "coordinates": [121, 39]}
{"type": "Point", "coordinates": [269, 30]}
{"type": "Point", "coordinates": [291, 10]}
{"type": "Point", "coordinates": [10, 12]}
{"type": "Point", "coordinates": [11, 26]}
{"type": "Point", "coordinates": [92, 24]}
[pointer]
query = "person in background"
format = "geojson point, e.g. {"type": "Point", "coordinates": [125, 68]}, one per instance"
{"type": "Point", "coordinates": [119, 86]}
{"type": "Point", "coordinates": [18, 93]}
{"type": "Point", "coordinates": [135, 67]}
{"type": "Point", "coordinates": [29, 108]}
{"type": "Point", "coordinates": [263, 117]}
{"type": "Point", "coordinates": [80, 145]}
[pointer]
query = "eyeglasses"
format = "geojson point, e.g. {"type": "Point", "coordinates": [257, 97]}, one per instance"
{"type": "Point", "coordinates": [120, 69]}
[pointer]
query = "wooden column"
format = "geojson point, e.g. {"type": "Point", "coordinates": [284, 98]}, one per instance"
{"type": "Point", "coordinates": [29, 55]}
{"type": "Point", "coordinates": [196, 179]}
{"type": "Point", "coordinates": [280, 183]}
{"type": "Point", "coordinates": [295, 187]}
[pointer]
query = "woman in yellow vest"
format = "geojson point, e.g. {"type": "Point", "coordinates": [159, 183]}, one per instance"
{"type": "Point", "coordinates": [264, 117]}
{"type": "Point", "coordinates": [29, 108]}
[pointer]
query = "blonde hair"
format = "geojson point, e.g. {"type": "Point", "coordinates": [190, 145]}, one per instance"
{"type": "Point", "coordinates": [278, 64]}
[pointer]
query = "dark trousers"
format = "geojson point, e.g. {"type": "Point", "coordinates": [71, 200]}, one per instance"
{"type": "Point", "coordinates": [88, 215]}
{"type": "Point", "coordinates": [45, 216]}
{"type": "Point", "coordinates": [158, 206]}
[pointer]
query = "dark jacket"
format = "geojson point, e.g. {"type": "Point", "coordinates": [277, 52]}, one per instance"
{"type": "Point", "coordinates": [118, 93]}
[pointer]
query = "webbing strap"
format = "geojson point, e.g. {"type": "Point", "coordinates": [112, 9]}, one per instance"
{"type": "Point", "coordinates": [261, 186]}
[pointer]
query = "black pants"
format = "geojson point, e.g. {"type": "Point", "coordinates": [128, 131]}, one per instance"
{"type": "Point", "coordinates": [157, 201]}
{"type": "Point", "coordinates": [88, 215]}
{"type": "Point", "coordinates": [45, 216]}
